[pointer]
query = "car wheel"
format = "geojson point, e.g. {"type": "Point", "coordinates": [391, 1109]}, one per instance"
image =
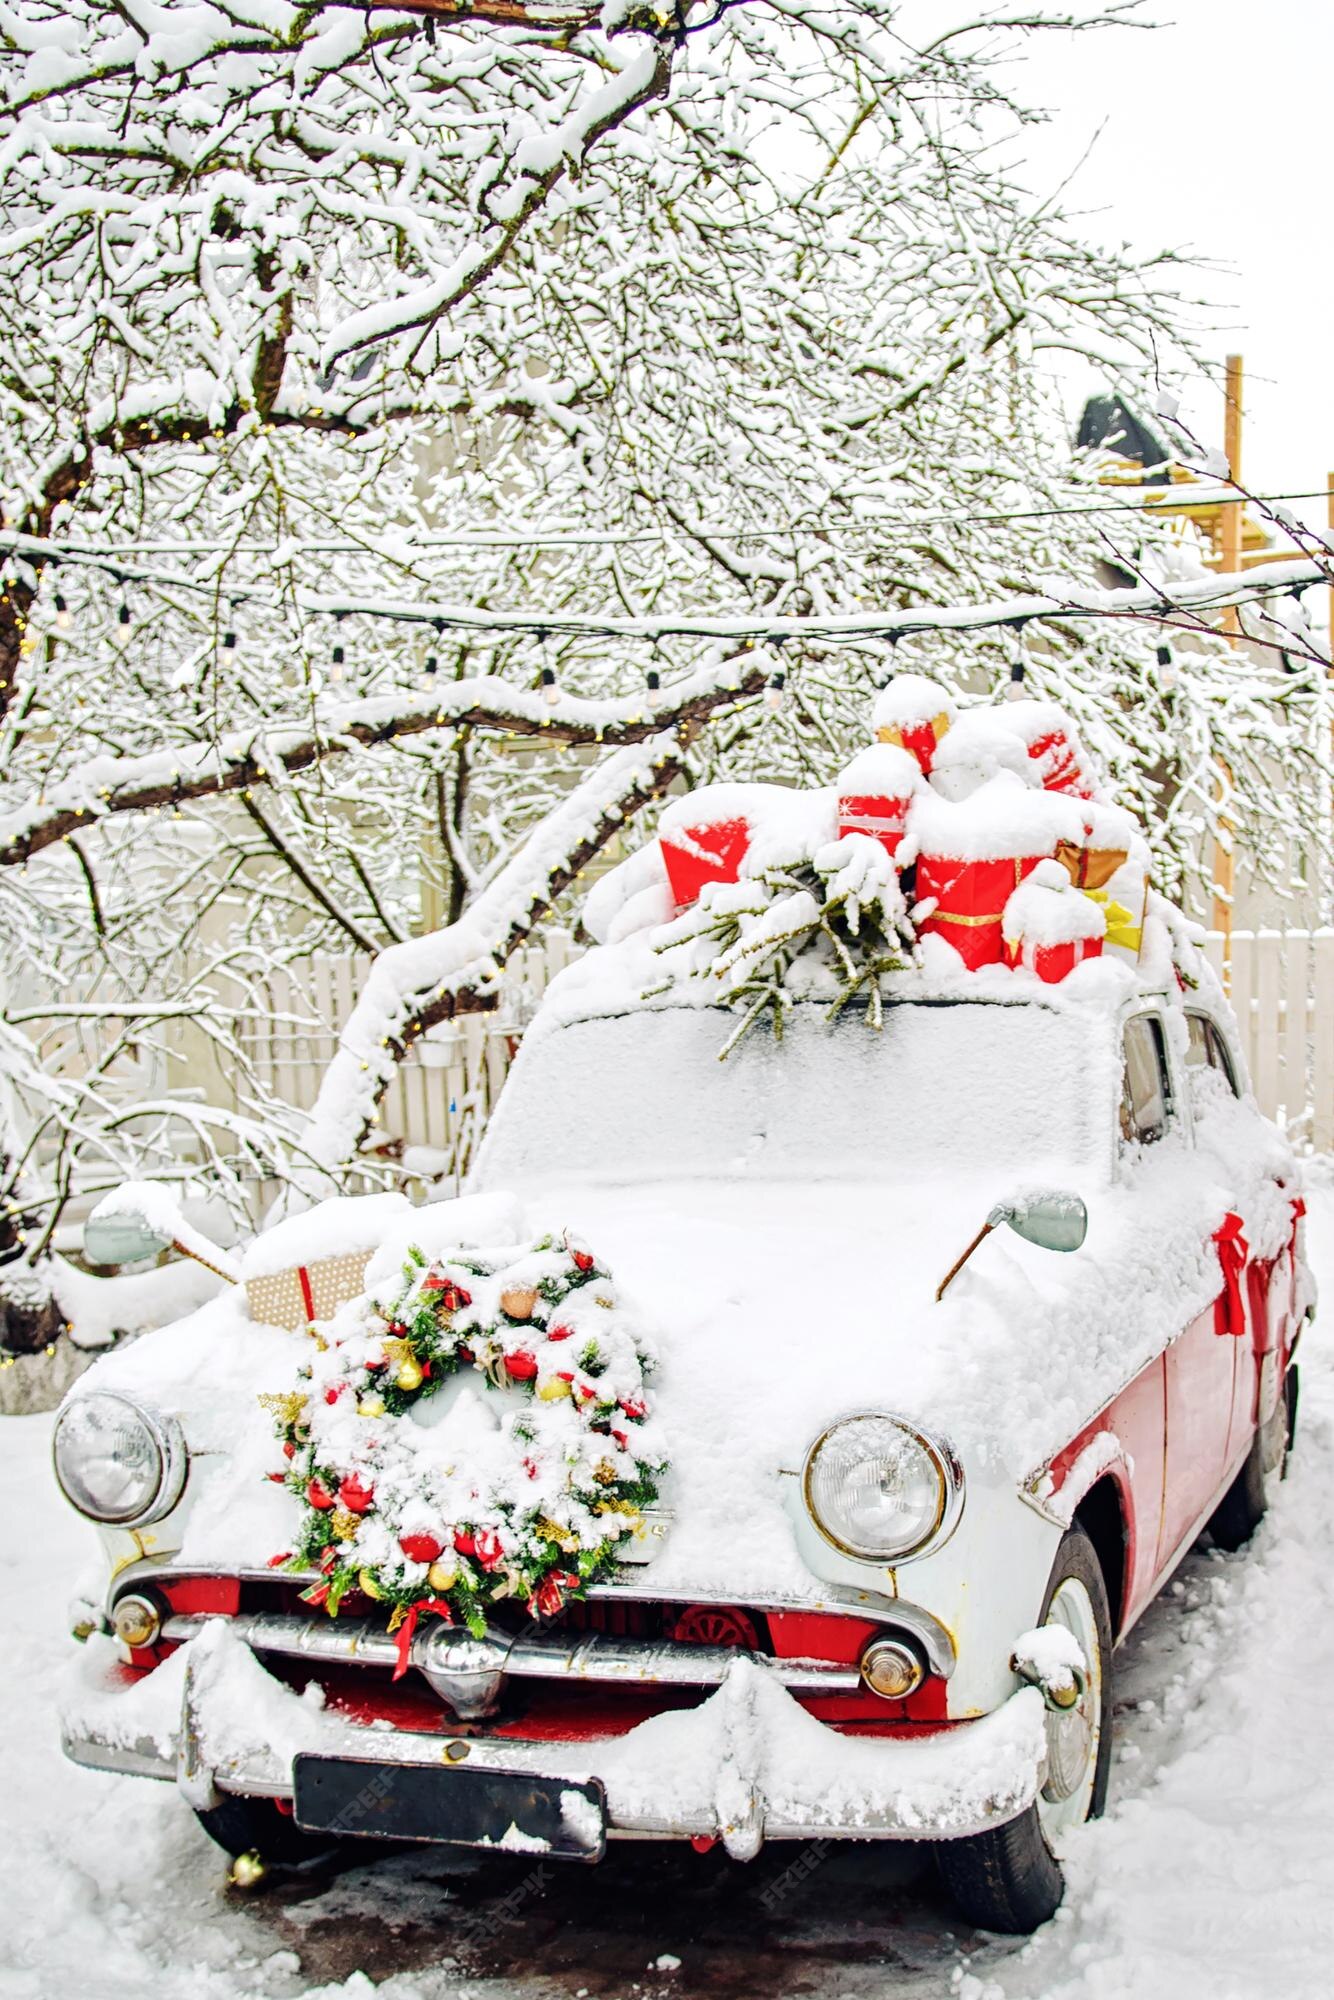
{"type": "Point", "coordinates": [246, 1826]}
{"type": "Point", "coordinates": [1010, 1879]}
{"type": "Point", "coordinates": [1242, 1508]}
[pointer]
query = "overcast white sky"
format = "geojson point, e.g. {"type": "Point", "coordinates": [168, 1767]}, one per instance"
{"type": "Point", "coordinates": [1216, 134]}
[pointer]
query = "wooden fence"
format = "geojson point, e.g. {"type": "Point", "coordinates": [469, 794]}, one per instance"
{"type": "Point", "coordinates": [1282, 987]}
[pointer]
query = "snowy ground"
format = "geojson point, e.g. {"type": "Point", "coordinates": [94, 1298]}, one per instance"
{"type": "Point", "coordinates": [1213, 1873]}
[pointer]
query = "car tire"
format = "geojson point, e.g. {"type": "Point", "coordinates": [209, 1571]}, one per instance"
{"type": "Point", "coordinates": [245, 1826]}
{"type": "Point", "coordinates": [1243, 1507]}
{"type": "Point", "coordinates": [1010, 1879]}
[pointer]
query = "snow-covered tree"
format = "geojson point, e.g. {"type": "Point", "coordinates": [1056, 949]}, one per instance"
{"type": "Point", "coordinates": [405, 415]}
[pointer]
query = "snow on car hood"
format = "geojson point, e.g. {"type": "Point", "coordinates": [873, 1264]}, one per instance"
{"type": "Point", "coordinates": [776, 1308]}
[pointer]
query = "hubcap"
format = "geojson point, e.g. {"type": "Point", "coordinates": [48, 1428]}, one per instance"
{"type": "Point", "coordinates": [1073, 1734]}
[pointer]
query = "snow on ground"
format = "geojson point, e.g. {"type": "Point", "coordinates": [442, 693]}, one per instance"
{"type": "Point", "coordinates": [1212, 1875]}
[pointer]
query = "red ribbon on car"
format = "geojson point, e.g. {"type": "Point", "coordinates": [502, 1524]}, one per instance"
{"type": "Point", "coordinates": [405, 1631]}
{"type": "Point", "coordinates": [1233, 1250]}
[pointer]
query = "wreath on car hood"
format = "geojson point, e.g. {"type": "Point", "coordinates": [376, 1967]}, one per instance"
{"type": "Point", "coordinates": [427, 1492]}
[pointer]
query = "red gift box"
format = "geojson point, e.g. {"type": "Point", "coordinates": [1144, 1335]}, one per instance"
{"type": "Point", "coordinates": [1051, 961]}
{"type": "Point", "coordinates": [970, 899]}
{"type": "Point", "coordinates": [1058, 765]}
{"type": "Point", "coordinates": [701, 853]}
{"type": "Point", "coordinates": [912, 713]}
{"type": "Point", "coordinates": [875, 792]}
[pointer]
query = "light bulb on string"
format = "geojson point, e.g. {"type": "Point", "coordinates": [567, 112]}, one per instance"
{"type": "Point", "coordinates": [63, 619]}
{"type": "Point", "coordinates": [430, 668]}
{"type": "Point", "coordinates": [774, 694]}
{"type": "Point", "coordinates": [1015, 690]}
{"type": "Point", "coordinates": [123, 615]}
{"type": "Point", "coordinates": [1167, 668]}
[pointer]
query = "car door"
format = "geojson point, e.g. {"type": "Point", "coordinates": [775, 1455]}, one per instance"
{"type": "Point", "coordinates": [1198, 1365]}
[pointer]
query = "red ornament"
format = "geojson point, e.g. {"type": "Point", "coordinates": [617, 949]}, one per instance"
{"type": "Point", "coordinates": [421, 1548]}
{"type": "Point", "coordinates": [277, 1478]}
{"type": "Point", "coordinates": [289, 1448]}
{"type": "Point", "coordinates": [521, 1365]}
{"type": "Point", "coordinates": [560, 1333]}
{"type": "Point", "coordinates": [318, 1494]}
{"type": "Point", "coordinates": [466, 1354]}
{"type": "Point", "coordinates": [634, 1410]}
{"type": "Point", "coordinates": [356, 1497]}
{"type": "Point", "coordinates": [580, 1254]}
{"type": "Point", "coordinates": [489, 1548]}
{"type": "Point", "coordinates": [332, 1395]}
{"type": "Point", "coordinates": [452, 1296]}
{"type": "Point", "coordinates": [465, 1542]}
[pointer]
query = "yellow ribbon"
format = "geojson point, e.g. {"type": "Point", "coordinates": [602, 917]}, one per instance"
{"type": "Point", "coordinates": [1121, 926]}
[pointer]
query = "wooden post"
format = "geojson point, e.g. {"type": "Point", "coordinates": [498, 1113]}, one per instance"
{"type": "Point", "coordinates": [1224, 868]}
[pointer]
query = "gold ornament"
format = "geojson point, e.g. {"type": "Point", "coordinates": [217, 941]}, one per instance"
{"type": "Point", "coordinates": [249, 1870]}
{"type": "Point", "coordinates": [396, 1616]}
{"type": "Point", "coordinates": [367, 1585]}
{"type": "Point", "coordinates": [605, 1472]}
{"type": "Point", "coordinates": [442, 1576]}
{"type": "Point", "coordinates": [626, 1507]}
{"type": "Point", "coordinates": [370, 1406]}
{"type": "Point", "coordinates": [344, 1524]}
{"type": "Point", "coordinates": [519, 1301]}
{"type": "Point", "coordinates": [552, 1391]}
{"type": "Point", "coordinates": [409, 1375]}
{"type": "Point", "coordinates": [287, 1405]}
{"type": "Point", "coordinates": [396, 1351]}
{"type": "Point", "coordinates": [552, 1531]}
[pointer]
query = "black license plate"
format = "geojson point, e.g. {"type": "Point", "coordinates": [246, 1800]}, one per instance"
{"type": "Point", "coordinates": [508, 1810]}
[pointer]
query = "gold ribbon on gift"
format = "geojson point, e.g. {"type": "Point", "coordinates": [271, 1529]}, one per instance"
{"type": "Point", "coordinates": [1121, 926]}
{"type": "Point", "coordinates": [889, 732]}
{"type": "Point", "coordinates": [1090, 867]}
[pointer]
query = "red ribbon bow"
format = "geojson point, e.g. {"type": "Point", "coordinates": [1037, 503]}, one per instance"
{"type": "Point", "coordinates": [403, 1642]}
{"type": "Point", "coordinates": [1230, 1305]}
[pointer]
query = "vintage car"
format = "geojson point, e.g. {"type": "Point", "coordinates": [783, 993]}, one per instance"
{"type": "Point", "coordinates": [902, 1534]}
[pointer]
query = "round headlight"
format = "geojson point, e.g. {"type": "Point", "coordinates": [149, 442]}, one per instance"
{"type": "Point", "coordinates": [118, 1462]}
{"type": "Point", "coordinates": [877, 1488]}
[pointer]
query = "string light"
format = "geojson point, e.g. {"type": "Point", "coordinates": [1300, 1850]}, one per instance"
{"type": "Point", "coordinates": [63, 619]}
{"type": "Point", "coordinates": [123, 615]}
{"type": "Point", "coordinates": [1015, 689]}
{"type": "Point", "coordinates": [774, 693]}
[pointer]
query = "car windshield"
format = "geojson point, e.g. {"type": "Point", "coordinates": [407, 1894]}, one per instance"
{"type": "Point", "coordinates": [642, 1096]}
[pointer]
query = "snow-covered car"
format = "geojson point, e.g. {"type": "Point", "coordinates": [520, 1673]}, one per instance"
{"type": "Point", "coordinates": [888, 1530]}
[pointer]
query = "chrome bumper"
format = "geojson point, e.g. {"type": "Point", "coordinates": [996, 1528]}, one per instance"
{"type": "Point", "coordinates": [748, 1765]}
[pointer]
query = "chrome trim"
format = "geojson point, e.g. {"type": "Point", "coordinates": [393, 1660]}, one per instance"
{"type": "Point", "coordinates": [835, 1600]}
{"type": "Point", "coordinates": [173, 1458]}
{"type": "Point", "coordinates": [948, 1467]}
{"type": "Point", "coordinates": [587, 1656]}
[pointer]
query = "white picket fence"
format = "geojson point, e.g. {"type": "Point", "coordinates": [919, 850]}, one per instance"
{"type": "Point", "coordinates": [1282, 987]}
{"type": "Point", "coordinates": [443, 1091]}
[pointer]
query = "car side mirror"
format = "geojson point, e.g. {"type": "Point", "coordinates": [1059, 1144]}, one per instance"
{"type": "Point", "coordinates": [1050, 1217]}
{"type": "Point", "coordinates": [121, 1239]}
{"type": "Point", "coordinates": [142, 1219]}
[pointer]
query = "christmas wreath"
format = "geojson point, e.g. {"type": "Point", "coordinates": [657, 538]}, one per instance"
{"type": "Point", "coordinates": [825, 924]}
{"type": "Point", "coordinates": [523, 1483]}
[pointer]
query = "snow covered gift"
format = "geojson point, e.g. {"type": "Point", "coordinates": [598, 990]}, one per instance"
{"type": "Point", "coordinates": [303, 1269]}
{"type": "Point", "coordinates": [973, 854]}
{"type": "Point", "coordinates": [1049, 927]}
{"type": "Point", "coordinates": [1053, 746]}
{"type": "Point", "coordinates": [913, 713]}
{"type": "Point", "coordinates": [874, 793]}
{"type": "Point", "coordinates": [705, 836]}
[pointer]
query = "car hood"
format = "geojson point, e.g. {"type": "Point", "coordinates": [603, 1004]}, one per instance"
{"type": "Point", "coordinates": [773, 1310]}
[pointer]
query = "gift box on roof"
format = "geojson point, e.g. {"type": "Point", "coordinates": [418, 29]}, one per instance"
{"type": "Point", "coordinates": [973, 854]}
{"type": "Point", "coordinates": [1049, 926]}
{"type": "Point", "coordinates": [875, 792]}
{"type": "Point", "coordinates": [303, 1269]}
{"type": "Point", "coordinates": [913, 713]}
{"type": "Point", "coordinates": [1052, 744]}
{"type": "Point", "coordinates": [706, 836]}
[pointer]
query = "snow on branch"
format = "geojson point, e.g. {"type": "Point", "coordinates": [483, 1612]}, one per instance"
{"type": "Point", "coordinates": [414, 985]}
{"type": "Point", "coordinates": [253, 756]}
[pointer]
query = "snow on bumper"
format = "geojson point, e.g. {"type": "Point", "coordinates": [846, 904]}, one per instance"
{"type": "Point", "coordinates": [746, 1765]}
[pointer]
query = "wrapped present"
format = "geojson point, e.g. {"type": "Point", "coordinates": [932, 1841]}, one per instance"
{"type": "Point", "coordinates": [1049, 926]}
{"type": "Point", "coordinates": [1052, 745]}
{"type": "Point", "coordinates": [706, 836]}
{"type": "Point", "coordinates": [302, 1269]}
{"type": "Point", "coordinates": [973, 854]}
{"type": "Point", "coordinates": [913, 713]}
{"type": "Point", "coordinates": [304, 1293]}
{"type": "Point", "coordinates": [875, 792]}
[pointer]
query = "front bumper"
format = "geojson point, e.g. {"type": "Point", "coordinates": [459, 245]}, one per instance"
{"type": "Point", "coordinates": [748, 1764]}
